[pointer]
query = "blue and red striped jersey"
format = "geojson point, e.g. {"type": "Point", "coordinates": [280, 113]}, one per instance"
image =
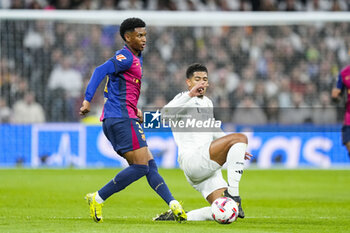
{"type": "Point", "coordinates": [122, 90]}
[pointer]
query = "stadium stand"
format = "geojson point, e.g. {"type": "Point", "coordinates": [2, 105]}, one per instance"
{"type": "Point", "coordinates": [285, 66]}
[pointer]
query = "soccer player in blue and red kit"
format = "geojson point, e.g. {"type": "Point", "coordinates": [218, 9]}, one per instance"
{"type": "Point", "coordinates": [344, 83]}
{"type": "Point", "coordinates": [121, 120]}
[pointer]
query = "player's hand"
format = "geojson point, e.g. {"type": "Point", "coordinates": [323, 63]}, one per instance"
{"type": "Point", "coordinates": [85, 108]}
{"type": "Point", "coordinates": [198, 89]}
{"type": "Point", "coordinates": [335, 95]}
{"type": "Point", "coordinates": [248, 156]}
{"type": "Point", "coordinates": [140, 115]}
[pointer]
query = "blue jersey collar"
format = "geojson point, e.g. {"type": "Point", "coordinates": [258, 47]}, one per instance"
{"type": "Point", "coordinates": [126, 46]}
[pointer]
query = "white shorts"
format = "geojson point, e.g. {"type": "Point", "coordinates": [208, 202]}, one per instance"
{"type": "Point", "coordinates": [201, 172]}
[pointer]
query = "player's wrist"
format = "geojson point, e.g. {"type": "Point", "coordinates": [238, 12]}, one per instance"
{"type": "Point", "coordinates": [190, 94]}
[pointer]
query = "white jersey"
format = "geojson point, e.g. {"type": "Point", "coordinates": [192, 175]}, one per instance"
{"type": "Point", "coordinates": [190, 141]}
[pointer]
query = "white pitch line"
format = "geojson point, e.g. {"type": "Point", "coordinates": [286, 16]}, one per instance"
{"type": "Point", "coordinates": [251, 217]}
{"type": "Point", "coordinates": [291, 217]}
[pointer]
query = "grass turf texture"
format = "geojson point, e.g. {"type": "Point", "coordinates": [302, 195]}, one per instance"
{"type": "Point", "coordinates": [273, 200]}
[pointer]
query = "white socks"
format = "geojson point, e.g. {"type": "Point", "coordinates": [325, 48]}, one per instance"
{"type": "Point", "coordinates": [202, 214]}
{"type": "Point", "coordinates": [235, 165]}
{"type": "Point", "coordinates": [173, 202]}
{"type": "Point", "coordinates": [98, 199]}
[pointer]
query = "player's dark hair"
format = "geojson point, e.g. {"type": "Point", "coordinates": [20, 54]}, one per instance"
{"type": "Point", "coordinates": [196, 67]}
{"type": "Point", "coordinates": [129, 25]}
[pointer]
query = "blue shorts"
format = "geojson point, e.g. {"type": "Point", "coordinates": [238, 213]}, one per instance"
{"type": "Point", "coordinates": [125, 134]}
{"type": "Point", "coordinates": [345, 133]}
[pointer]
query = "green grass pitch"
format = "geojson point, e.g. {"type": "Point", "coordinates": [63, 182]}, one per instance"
{"type": "Point", "coordinates": [51, 200]}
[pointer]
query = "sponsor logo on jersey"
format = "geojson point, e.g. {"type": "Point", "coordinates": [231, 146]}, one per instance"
{"type": "Point", "coordinates": [120, 57]}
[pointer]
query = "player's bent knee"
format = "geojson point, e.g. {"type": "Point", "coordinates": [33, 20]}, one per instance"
{"type": "Point", "coordinates": [238, 138]}
{"type": "Point", "coordinates": [243, 138]}
{"type": "Point", "coordinates": [141, 169]}
{"type": "Point", "coordinates": [139, 156]}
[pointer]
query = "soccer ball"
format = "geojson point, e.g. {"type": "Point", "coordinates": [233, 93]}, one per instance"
{"type": "Point", "coordinates": [224, 210]}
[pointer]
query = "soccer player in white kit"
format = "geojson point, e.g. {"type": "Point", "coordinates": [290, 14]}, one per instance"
{"type": "Point", "coordinates": [201, 155]}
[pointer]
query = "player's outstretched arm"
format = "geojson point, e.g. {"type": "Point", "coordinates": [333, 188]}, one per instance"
{"type": "Point", "coordinates": [99, 74]}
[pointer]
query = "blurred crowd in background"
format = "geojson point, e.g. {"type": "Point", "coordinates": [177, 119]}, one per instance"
{"type": "Point", "coordinates": [182, 5]}
{"type": "Point", "coordinates": [257, 75]}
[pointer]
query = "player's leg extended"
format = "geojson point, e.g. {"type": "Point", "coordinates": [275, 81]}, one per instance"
{"type": "Point", "coordinates": [156, 181]}
{"type": "Point", "coordinates": [122, 135]}
{"type": "Point", "coordinates": [127, 138]}
{"type": "Point", "coordinates": [211, 188]}
{"type": "Point", "coordinates": [201, 214]}
{"type": "Point", "coordinates": [231, 149]}
{"type": "Point", "coordinates": [205, 176]}
{"type": "Point", "coordinates": [204, 214]}
{"type": "Point", "coordinates": [119, 182]}
{"type": "Point", "coordinates": [137, 160]}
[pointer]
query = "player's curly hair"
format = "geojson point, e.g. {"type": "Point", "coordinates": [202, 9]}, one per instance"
{"type": "Point", "coordinates": [129, 25]}
{"type": "Point", "coordinates": [195, 67]}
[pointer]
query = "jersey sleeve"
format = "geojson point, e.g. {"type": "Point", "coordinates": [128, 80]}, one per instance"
{"type": "Point", "coordinates": [175, 105]}
{"type": "Point", "coordinates": [179, 100]}
{"type": "Point", "coordinates": [99, 74]}
{"type": "Point", "coordinates": [122, 60]}
{"type": "Point", "coordinates": [340, 84]}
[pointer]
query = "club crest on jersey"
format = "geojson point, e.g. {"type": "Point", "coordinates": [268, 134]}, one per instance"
{"type": "Point", "coordinates": [143, 137]}
{"type": "Point", "coordinates": [120, 57]}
